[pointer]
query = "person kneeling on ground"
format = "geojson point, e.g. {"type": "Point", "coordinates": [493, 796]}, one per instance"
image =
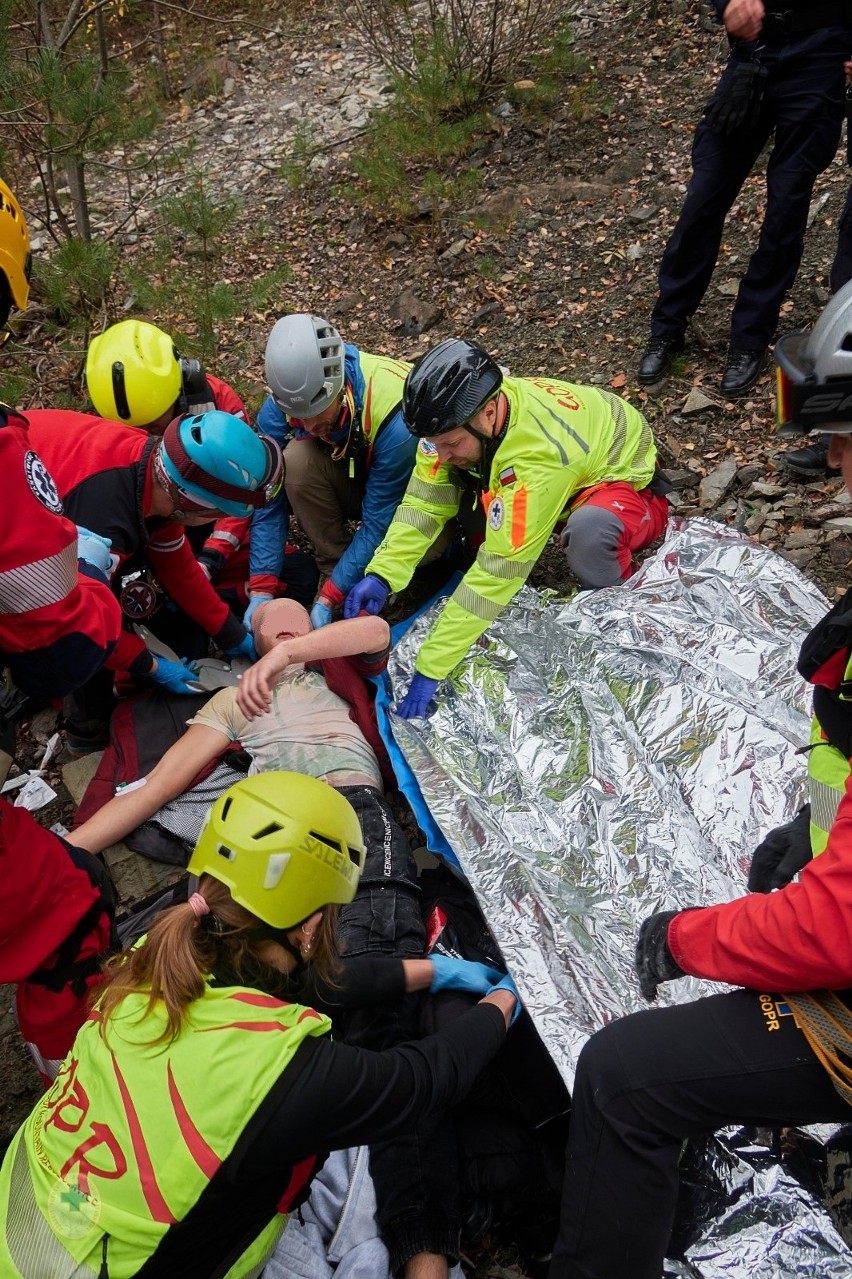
{"type": "Point", "coordinates": [336, 411]}
{"type": "Point", "coordinates": [135, 375]}
{"type": "Point", "coordinates": [533, 452]}
{"type": "Point", "coordinates": [151, 1151]}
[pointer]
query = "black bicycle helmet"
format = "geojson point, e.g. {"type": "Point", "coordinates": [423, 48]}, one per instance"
{"type": "Point", "coordinates": [447, 386]}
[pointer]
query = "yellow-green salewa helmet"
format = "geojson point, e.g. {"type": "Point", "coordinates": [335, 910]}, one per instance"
{"type": "Point", "coordinates": [284, 844]}
{"type": "Point", "coordinates": [133, 373]}
{"type": "Point", "coordinates": [15, 259]}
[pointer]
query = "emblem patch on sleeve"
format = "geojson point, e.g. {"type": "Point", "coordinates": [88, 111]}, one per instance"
{"type": "Point", "coordinates": [496, 512]}
{"type": "Point", "coordinates": [41, 483]}
{"type": "Point", "coordinates": [507, 477]}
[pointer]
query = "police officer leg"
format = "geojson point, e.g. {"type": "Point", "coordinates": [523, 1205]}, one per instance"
{"type": "Point", "coordinates": [720, 165]}
{"type": "Point", "coordinates": [323, 498]}
{"type": "Point", "coordinates": [807, 94]}
{"type": "Point", "coordinates": [841, 267]}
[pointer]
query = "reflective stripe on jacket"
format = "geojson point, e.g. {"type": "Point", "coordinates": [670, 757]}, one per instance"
{"type": "Point", "coordinates": [828, 770]}
{"type": "Point", "coordinates": [126, 1141]}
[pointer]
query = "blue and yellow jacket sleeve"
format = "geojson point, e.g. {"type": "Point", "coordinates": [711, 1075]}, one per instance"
{"type": "Point", "coordinates": [560, 441]}
{"type": "Point", "coordinates": [270, 523]}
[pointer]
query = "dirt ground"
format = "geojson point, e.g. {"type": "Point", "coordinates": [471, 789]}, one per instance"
{"type": "Point", "coordinates": [553, 268]}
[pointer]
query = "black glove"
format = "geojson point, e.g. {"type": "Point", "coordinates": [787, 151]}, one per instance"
{"type": "Point", "coordinates": [736, 103]}
{"type": "Point", "coordinates": [782, 854]}
{"type": "Point", "coordinates": [654, 961]}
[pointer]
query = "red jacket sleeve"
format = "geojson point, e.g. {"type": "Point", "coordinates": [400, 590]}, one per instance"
{"type": "Point", "coordinates": [57, 624]}
{"type": "Point", "coordinates": [229, 534]}
{"type": "Point", "coordinates": [798, 938]}
{"type": "Point", "coordinates": [180, 573]}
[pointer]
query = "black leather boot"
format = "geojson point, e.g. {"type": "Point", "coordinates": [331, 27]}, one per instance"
{"type": "Point", "coordinates": [657, 358]}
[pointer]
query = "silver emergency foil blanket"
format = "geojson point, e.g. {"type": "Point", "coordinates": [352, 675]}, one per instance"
{"type": "Point", "coordinates": [593, 761]}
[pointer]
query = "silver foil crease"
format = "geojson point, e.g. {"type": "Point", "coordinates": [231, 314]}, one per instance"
{"type": "Point", "coordinates": [595, 760]}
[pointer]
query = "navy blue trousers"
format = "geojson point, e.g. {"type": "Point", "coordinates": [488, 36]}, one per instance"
{"type": "Point", "coordinates": [841, 267]}
{"type": "Point", "coordinates": [803, 105]}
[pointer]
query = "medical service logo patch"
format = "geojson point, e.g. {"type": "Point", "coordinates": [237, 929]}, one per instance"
{"type": "Point", "coordinates": [427, 447]}
{"type": "Point", "coordinates": [496, 512]}
{"type": "Point", "coordinates": [39, 480]}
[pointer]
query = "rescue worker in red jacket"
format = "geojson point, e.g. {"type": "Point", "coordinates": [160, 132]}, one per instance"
{"type": "Point", "coordinates": [58, 619]}
{"type": "Point", "coordinates": [759, 1055]}
{"type": "Point", "coordinates": [140, 492]}
{"type": "Point", "coordinates": [135, 375]}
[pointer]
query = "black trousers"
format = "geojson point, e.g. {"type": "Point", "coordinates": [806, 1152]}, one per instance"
{"type": "Point", "coordinates": [416, 1176]}
{"type": "Point", "coordinates": [803, 107]}
{"type": "Point", "coordinates": [648, 1081]}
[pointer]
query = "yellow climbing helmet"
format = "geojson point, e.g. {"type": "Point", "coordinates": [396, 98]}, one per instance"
{"type": "Point", "coordinates": [15, 256]}
{"type": "Point", "coordinates": [133, 372]}
{"type": "Point", "coordinates": [284, 844]}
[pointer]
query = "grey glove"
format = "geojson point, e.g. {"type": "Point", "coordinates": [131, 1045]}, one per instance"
{"type": "Point", "coordinates": [736, 103]}
{"type": "Point", "coordinates": [785, 851]}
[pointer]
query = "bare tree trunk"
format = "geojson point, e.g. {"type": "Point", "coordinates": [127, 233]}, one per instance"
{"type": "Point", "coordinates": [162, 62]}
{"type": "Point", "coordinates": [75, 177]}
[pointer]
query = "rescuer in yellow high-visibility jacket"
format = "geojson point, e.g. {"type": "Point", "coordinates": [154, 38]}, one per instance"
{"type": "Point", "coordinates": [534, 451]}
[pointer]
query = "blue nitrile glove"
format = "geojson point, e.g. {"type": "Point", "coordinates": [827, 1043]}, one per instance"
{"type": "Point", "coordinates": [94, 549]}
{"type": "Point", "coordinates": [321, 615]}
{"type": "Point", "coordinates": [366, 596]}
{"type": "Point", "coordinates": [416, 701]}
{"type": "Point", "coordinates": [506, 983]}
{"type": "Point", "coordinates": [174, 677]}
{"type": "Point", "coordinates": [254, 603]}
{"type": "Point", "coordinates": [462, 974]}
{"type": "Point", "coordinates": [245, 648]}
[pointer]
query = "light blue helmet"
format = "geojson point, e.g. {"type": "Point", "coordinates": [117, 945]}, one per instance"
{"type": "Point", "coordinates": [215, 461]}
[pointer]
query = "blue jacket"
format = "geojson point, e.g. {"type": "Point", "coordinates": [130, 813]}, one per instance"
{"type": "Point", "coordinates": [391, 456]}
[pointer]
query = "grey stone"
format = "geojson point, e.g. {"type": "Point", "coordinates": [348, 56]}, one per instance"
{"type": "Point", "coordinates": [842, 522]}
{"type": "Point", "coordinates": [135, 876]}
{"type": "Point", "coordinates": [728, 288]}
{"type": "Point", "coordinates": [749, 473]}
{"type": "Point", "coordinates": [627, 166]}
{"type": "Point", "coordinates": [801, 558]}
{"type": "Point", "coordinates": [79, 772]}
{"type": "Point", "coordinates": [682, 479]}
{"type": "Point", "coordinates": [413, 314]}
{"type": "Point", "coordinates": [714, 486]}
{"type": "Point", "coordinates": [698, 402]}
{"type": "Point", "coordinates": [765, 488]}
{"type": "Point", "coordinates": [642, 212]}
{"type": "Point", "coordinates": [801, 538]}
{"type": "Point", "coordinates": [457, 247]}
{"type": "Point", "coordinates": [676, 55]}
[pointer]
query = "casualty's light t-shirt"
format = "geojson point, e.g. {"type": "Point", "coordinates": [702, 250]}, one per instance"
{"type": "Point", "coordinates": [306, 730]}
